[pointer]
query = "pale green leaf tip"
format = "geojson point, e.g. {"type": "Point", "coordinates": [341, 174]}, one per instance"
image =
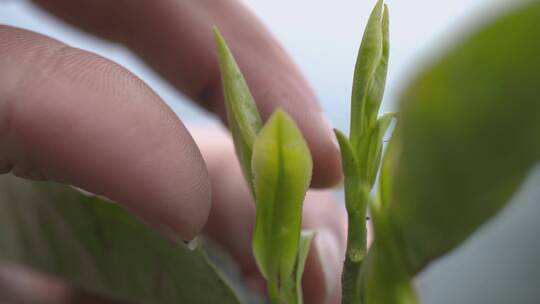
{"type": "Point", "coordinates": [343, 141]}
{"type": "Point", "coordinates": [279, 113]}
{"type": "Point", "coordinates": [218, 38]}
{"type": "Point", "coordinates": [281, 116]}
{"type": "Point", "coordinates": [340, 135]}
{"type": "Point", "coordinates": [223, 49]}
{"type": "Point", "coordinates": [379, 7]}
{"type": "Point", "coordinates": [386, 20]}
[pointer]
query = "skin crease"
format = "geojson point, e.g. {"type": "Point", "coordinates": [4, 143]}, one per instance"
{"type": "Point", "coordinates": [73, 117]}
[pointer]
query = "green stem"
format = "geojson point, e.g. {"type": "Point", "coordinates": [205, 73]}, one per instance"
{"type": "Point", "coordinates": [273, 292]}
{"type": "Point", "coordinates": [356, 198]}
{"type": "Point", "coordinates": [351, 293]}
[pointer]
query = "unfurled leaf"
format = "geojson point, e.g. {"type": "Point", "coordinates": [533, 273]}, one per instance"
{"type": "Point", "coordinates": [370, 74]}
{"type": "Point", "coordinates": [282, 168]}
{"type": "Point", "coordinates": [470, 130]}
{"type": "Point", "coordinates": [242, 114]}
{"type": "Point", "coordinates": [97, 246]}
{"type": "Point", "coordinates": [388, 280]}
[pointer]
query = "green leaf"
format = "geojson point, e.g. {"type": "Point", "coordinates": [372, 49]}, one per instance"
{"type": "Point", "coordinates": [373, 148]}
{"type": "Point", "coordinates": [378, 82]}
{"type": "Point", "coordinates": [303, 250]}
{"type": "Point", "coordinates": [349, 162]}
{"type": "Point", "coordinates": [470, 127]}
{"type": "Point", "coordinates": [242, 114]}
{"type": "Point", "coordinates": [99, 247]}
{"type": "Point", "coordinates": [291, 292]}
{"type": "Point", "coordinates": [388, 280]}
{"type": "Point", "coordinates": [282, 168]}
{"type": "Point", "coordinates": [370, 74]}
{"type": "Point", "coordinates": [386, 178]}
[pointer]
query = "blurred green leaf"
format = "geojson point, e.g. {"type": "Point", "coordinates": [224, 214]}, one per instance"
{"type": "Point", "coordinates": [389, 163]}
{"type": "Point", "coordinates": [282, 168]}
{"type": "Point", "coordinates": [98, 246]}
{"type": "Point", "coordinates": [242, 114]}
{"type": "Point", "coordinates": [470, 127]}
{"type": "Point", "coordinates": [388, 280]}
{"type": "Point", "coordinates": [370, 74]}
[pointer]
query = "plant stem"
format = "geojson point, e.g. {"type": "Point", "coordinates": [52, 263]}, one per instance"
{"type": "Point", "coordinates": [356, 198]}
{"type": "Point", "coordinates": [273, 292]}
{"type": "Point", "coordinates": [351, 272]}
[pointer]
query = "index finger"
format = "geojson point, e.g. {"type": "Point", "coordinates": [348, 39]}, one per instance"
{"type": "Point", "coordinates": [175, 37]}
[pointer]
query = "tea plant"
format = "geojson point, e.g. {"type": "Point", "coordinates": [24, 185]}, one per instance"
{"type": "Point", "coordinates": [466, 139]}
{"type": "Point", "coordinates": [277, 165]}
{"type": "Point", "coordinates": [414, 220]}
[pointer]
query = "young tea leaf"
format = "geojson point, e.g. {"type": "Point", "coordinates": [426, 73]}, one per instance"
{"type": "Point", "coordinates": [377, 87]}
{"type": "Point", "coordinates": [370, 74]}
{"type": "Point", "coordinates": [282, 168]}
{"type": "Point", "coordinates": [469, 132]}
{"type": "Point", "coordinates": [242, 114]}
{"type": "Point", "coordinates": [373, 150]}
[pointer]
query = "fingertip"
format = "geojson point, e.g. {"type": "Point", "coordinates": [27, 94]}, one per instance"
{"type": "Point", "coordinates": [79, 119]}
{"type": "Point", "coordinates": [325, 151]}
{"type": "Point", "coordinates": [322, 275]}
{"type": "Point", "coordinates": [182, 192]}
{"type": "Point", "coordinates": [322, 278]}
{"type": "Point", "coordinates": [326, 164]}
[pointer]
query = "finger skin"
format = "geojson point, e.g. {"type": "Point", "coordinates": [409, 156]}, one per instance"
{"type": "Point", "coordinates": [232, 219]}
{"type": "Point", "coordinates": [175, 37]}
{"type": "Point", "coordinates": [73, 117]}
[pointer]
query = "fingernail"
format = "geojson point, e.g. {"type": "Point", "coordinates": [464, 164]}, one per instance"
{"type": "Point", "coordinates": [329, 257]}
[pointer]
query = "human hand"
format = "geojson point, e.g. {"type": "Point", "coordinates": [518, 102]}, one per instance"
{"type": "Point", "coordinates": [76, 118]}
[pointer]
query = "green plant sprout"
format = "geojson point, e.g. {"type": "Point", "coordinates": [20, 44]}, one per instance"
{"type": "Point", "coordinates": [279, 193]}
{"type": "Point", "coordinates": [277, 164]}
{"type": "Point", "coordinates": [403, 241]}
